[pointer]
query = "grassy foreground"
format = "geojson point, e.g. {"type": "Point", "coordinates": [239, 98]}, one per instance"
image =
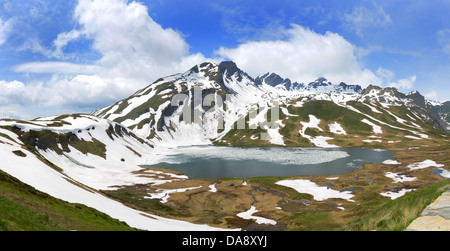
{"type": "Point", "coordinates": [397, 214]}
{"type": "Point", "coordinates": [23, 208]}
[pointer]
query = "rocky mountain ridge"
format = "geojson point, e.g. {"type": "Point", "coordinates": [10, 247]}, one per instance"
{"type": "Point", "coordinates": [233, 94]}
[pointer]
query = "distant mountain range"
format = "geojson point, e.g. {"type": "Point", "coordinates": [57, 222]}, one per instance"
{"type": "Point", "coordinates": [150, 114]}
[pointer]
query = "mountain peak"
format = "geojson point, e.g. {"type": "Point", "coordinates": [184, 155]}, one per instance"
{"type": "Point", "coordinates": [271, 79]}
{"type": "Point", "coordinates": [417, 98]}
{"type": "Point", "coordinates": [206, 66]}
{"type": "Point", "coordinates": [321, 81]}
{"type": "Point", "coordinates": [229, 68]}
{"type": "Point", "coordinates": [346, 87]}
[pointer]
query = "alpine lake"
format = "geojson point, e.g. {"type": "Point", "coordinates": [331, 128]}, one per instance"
{"type": "Point", "coordinates": [210, 162]}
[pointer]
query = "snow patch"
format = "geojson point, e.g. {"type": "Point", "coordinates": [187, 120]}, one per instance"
{"type": "Point", "coordinates": [275, 136]}
{"type": "Point", "coordinates": [396, 194]}
{"type": "Point", "coordinates": [319, 193]}
{"type": "Point", "coordinates": [337, 128]}
{"type": "Point", "coordinates": [298, 104]}
{"type": "Point", "coordinates": [444, 173]}
{"type": "Point", "coordinates": [248, 215]}
{"type": "Point", "coordinates": [319, 141]}
{"type": "Point", "coordinates": [313, 123]}
{"type": "Point", "coordinates": [423, 164]}
{"type": "Point", "coordinates": [391, 162]}
{"type": "Point", "coordinates": [373, 108]}
{"type": "Point", "coordinates": [212, 188]}
{"type": "Point", "coordinates": [164, 194]}
{"type": "Point", "coordinates": [399, 120]}
{"type": "Point", "coordinates": [371, 140]}
{"type": "Point", "coordinates": [286, 112]}
{"type": "Point", "coordinates": [398, 178]}
{"type": "Point", "coordinates": [412, 137]}
{"type": "Point", "coordinates": [375, 128]}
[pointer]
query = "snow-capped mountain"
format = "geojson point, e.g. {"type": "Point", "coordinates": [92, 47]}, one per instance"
{"type": "Point", "coordinates": [320, 85]}
{"type": "Point", "coordinates": [441, 112]}
{"type": "Point", "coordinates": [216, 96]}
{"type": "Point", "coordinates": [163, 110]}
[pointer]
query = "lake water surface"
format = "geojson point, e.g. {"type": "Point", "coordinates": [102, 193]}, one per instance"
{"type": "Point", "coordinates": [245, 162]}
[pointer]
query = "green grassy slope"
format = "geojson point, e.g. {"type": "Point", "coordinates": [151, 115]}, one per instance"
{"type": "Point", "coordinates": [358, 133]}
{"type": "Point", "coordinates": [396, 215]}
{"type": "Point", "coordinates": [23, 208]}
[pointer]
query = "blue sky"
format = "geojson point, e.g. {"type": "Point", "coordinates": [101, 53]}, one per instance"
{"type": "Point", "coordinates": [80, 55]}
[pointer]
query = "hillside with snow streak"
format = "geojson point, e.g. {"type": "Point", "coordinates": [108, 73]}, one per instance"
{"type": "Point", "coordinates": [66, 164]}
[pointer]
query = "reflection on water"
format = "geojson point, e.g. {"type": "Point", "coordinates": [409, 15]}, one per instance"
{"type": "Point", "coordinates": [244, 162]}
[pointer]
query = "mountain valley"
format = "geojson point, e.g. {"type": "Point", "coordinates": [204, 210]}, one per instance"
{"type": "Point", "coordinates": [99, 159]}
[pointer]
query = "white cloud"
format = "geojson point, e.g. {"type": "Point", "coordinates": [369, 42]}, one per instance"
{"type": "Point", "coordinates": [362, 17]}
{"type": "Point", "coordinates": [131, 43]}
{"type": "Point", "coordinates": [63, 39]}
{"type": "Point", "coordinates": [134, 51]}
{"type": "Point", "coordinates": [387, 77]}
{"type": "Point", "coordinates": [385, 74]}
{"type": "Point", "coordinates": [303, 56]}
{"type": "Point", "coordinates": [404, 84]}
{"type": "Point", "coordinates": [59, 95]}
{"type": "Point", "coordinates": [13, 97]}
{"type": "Point", "coordinates": [5, 29]}
{"type": "Point", "coordinates": [56, 67]}
{"type": "Point", "coordinates": [444, 40]}
{"type": "Point", "coordinates": [432, 95]}
{"type": "Point", "coordinates": [12, 90]}
{"type": "Point", "coordinates": [35, 45]}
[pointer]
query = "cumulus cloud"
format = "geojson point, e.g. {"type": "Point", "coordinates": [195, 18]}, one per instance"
{"type": "Point", "coordinates": [302, 56]}
{"type": "Point", "coordinates": [134, 51]}
{"type": "Point", "coordinates": [131, 43]}
{"type": "Point", "coordinates": [12, 90]}
{"type": "Point", "coordinates": [60, 94]}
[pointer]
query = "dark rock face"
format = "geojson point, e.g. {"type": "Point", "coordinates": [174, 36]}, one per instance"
{"type": "Point", "coordinates": [417, 98]}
